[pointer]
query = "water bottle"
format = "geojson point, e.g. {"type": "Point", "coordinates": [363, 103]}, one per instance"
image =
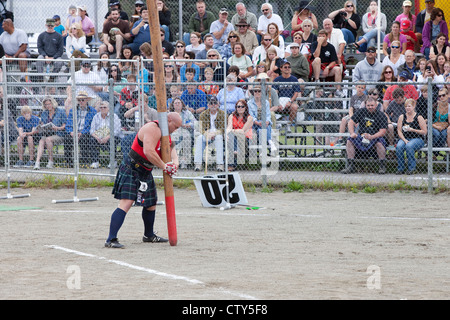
{"type": "Point", "coordinates": [136, 120]}
{"type": "Point", "coordinates": [47, 77]}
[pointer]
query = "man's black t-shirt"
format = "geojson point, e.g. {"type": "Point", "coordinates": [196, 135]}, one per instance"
{"type": "Point", "coordinates": [369, 122]}
{"type": "Point", "coordinates": [327, 53]}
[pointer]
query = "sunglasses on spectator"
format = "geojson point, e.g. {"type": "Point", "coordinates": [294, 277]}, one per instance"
{"type": "Point", "coordinates": [267, 39]}
{"type": "Point", "coordinates": [180, 46]}
{"type": "Point", "coordinates": [82, 99]}
{"type": "Point", "coordinates": [168, 66]}
{"type": "Point", "coordinates": [138, 5]}
{"type": "Point", "coordinates": [162, 34]}
{"type": "Point", "coordinates": [286, 67]}
{"type": "Point", "coordinates": [86, 65]}
{"type": "Point", "coordinates": [442, 95]}
{"type": "Point", "coordinates": [439, 15]}
{"type": "Point", "coordinates": [240, 106]}
{"type": "Point", "coordinates": [212, 55]}
{"type": "Point", "coordinates": [388, 72]}
{"type": "Point", "coordinates": [349, 6]}
{"type": "Point", "coordinates": [256, 91]}
{"type": "Point", "coordinates": [373, 93]}
{"type": "Point", "coordinates": [232, 36]}
{"type": "Point", "coordinates": [395, 47]}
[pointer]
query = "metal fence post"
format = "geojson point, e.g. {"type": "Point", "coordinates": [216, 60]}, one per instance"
{"type": "Point", "coordinates": [430, 135]}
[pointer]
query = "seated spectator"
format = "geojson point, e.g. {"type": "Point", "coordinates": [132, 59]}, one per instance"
{"type": "Point", "coordinates": [53, 122]}
{"type": "Point", "coordinates": [395, 108]}
{"type": "Point", "coordinates": [116, 33]}
{"type": "Point", "coordinates": [115, 5]}
{"type": "Point", "coordinates": [394, 35]}
{"type": "Point", "coordinates": [59, 27]}
{"type": "Point", "coordinates": [196, 43]}
{"type": "Point", "coordinates": [72, 18]}
{"type": "Point", "coordinates": [287, 93]}
{"type": "Point", "coordinates": [299, 64]}
{"type": "Point", "coordinates": [194, 99]}
{"type": "Point", "coordinates": [411, 130]}
{"type": "Point", "coordinates": [440, 61]}
{"type": "Point", "coordinates": [127, 56]}
{"type": "Point", "coordinates": [431, 29]}
{"type": "Point", "coordinates": [370, 24]}
{"type": "Point", "coordinates": [129, 97]}
{"type": "Point", "coordinates": [395, 59]}
{"type": "Point", "coordinates": [165, 15]}
{"type": "Point", "coordinates": [422, 103]}
{"type": "Point", "coordinates": [140, 32]}
{"type": "Point", "coordinates": [409, 89]}
{"type": "Point", "coordinates": [85, 114]}
{"type": "Point", "coordinates": [273, 63]}
{"type": "Point", "coordinates": [184, 135]}
{"type": "Point", "coordinates": [208, 41]}
{"type": "Point", "coordinates": [50, 47]}
{"type": "Point", "coordinates": [420, 68]}
{"type": "Point", "coordinates": [244, 16]}
{"type": "Point", "coordinates": [84, 77]}
{"type": "Point", "coordinates": [27, 125]}
{"type": "Point", "coordinates": [298, 41]}
{"type": "Point", "coordinates": [441, 46]}
{"type": "Point", "coordinates": [190, 66]}
{"type": "Point", "coordinates": [336, 38]}
{"type": "Point", "coordinates": [171, 73]}
{"type": "Point", "coordinates": [220, 29]}
{"type": "Point", "coordinates": [308, 37]}
{"type": "Point", "coordinates": [357, 101]}
{"type": "Point", "coordinates": [406, 30]}
{"type": "Point", "coordinates": [233, 94]}
{"type": "Point", "coordinates": [258, 108]}
{"type": "Point", "coordinates": [277, 39]}
{"type": "Point", "coordinates": [421, 19]}
{"type": "Point", "coordinates": [199, 21]}
{"type": "Point", "coordinates": [369, 137]}
{"type": "Point", "coordinates": [387, 76]}
{"type": "Point", "coordinates": [209, 88]}
{"type": "Point", "coordinates": [167, 46]}
{"type": "Point", "coordinates": [302, 13]}
{"type": "Point", "coordinates": [446, 73]}
{"type": "Point", "coordinates": [226, 50]}
{"type": "Point", "coordinates": [15, 43]}
{"type": "Point", "coordinates": [247, 37]}
{"type": "Point", "coordinates": [347, 20]}
{"type": "Point", "coordinates": [260, 53]}
{"type": "Point", "coordinates": [12, 129]}
{"type": "Point", "coordinates": [76, 44]}
{"type": "Point", "coordinates": [410, 64]}
{"type": "Point", "coordinates": [325, 61]}
{"type": "Point", "coordinates": [220, 71]}
{"type": "Point", "coordinates": [440, 121]}
{"type": "Point", "coordinates": [239, 131]}
{"type": "Point", "coordinates": [407, 15]}
{"type": "Point", "coordinates": [266, 18]}
{"type": "Point", "coordinates": [86, 24]}
{"type": "Point", "coordinates": [369, 69]}
{"type": "Point", "coordinates": [179, 54]}
{"type": "Point", "coordinates": [242, 61]}
{"type": "Point", "coordinates": [101, 133]}
{"type": "Point", "coordinates": [431, 71]}
{"type": "Point", "coordinates": [211, 128]}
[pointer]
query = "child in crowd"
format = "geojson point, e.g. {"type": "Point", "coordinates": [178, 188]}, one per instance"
{"type": "Point", "coordinates": [209, 89]}
{"type": "Point", "coordinates": [27, 125]}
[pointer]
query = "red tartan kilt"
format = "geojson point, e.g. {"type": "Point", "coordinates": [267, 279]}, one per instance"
{"type": "Point", "coordinates": [323, 66]}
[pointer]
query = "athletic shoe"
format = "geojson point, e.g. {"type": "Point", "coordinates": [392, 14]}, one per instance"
{"type": "Point", "coordinates": [114, 243]}
{"type": "Point", "coordinates": [37, 166]}
{"type": "Point", "coordinates": [30, 163]}
{"type": "Point", "coordinates": [154, 238]}
{"type": "Point", "coordinates": [50, 165]}
{"type": "Point", "coordinates": [95, 165]}
{"type": "Point", "coordinates": [198, 167]}
{"type": "Point", "coordinates": [19, 163]}
{"type": "Point", "coordinates": [220, 168]}
{"type": "Point", "coordinates": [339, 94]}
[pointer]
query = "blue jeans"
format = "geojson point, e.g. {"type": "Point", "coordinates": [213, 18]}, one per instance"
{"type": "Point", "coordinates": [411, 147]}
{"type": "Point", "coordinates": [371, 40]}
{"type": "Point", "coordinates": [348, 36]}
{"type": "Point", "coordinates": [439, 138]}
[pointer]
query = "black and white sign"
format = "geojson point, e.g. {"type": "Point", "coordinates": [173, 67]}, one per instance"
{"type": "Point", "coordinates": [213, 193]}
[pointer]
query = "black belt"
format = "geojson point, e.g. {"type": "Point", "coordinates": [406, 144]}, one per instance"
{"type": "Point", "coordinates": [139, 161]}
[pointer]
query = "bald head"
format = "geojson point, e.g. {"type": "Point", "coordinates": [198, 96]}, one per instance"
{"type": "Point", "coordinates": [174, 121]}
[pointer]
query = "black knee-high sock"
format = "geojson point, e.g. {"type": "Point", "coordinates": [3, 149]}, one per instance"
{"type": "Point", "coordinates": [117, 219]}
{"type": "Point", "coordinates": [148, 216]}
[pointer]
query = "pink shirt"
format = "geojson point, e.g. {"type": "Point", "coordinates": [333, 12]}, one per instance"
{"type": "Point", "coordinates": [403, 16]}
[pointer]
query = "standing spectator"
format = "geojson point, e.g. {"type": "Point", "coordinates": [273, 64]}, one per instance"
{"type": "Point", "coordinates": [394, 35]}
{"type": "Point", "coordinates": [242, 14]}
{"type": "Point", "coordinates": [211, 128]}
{"type": "Point", "coordinates": [371, 23]}
{"type": "Point", "coordinates": [299, 64]}
{"type": "Point", "coordinates": [194, 99]}
{"type": "Point", "coordinates": [220, 29]}
{"type": "Point", "coordinates": [116, 33]}
{"type": "Point", "coordinates": [55, 120]}
{"type": "Point", "coordinates": [303, 12]}
{"type": "Point", "coordinates": [200, 21]}
{"type": "Point", "coordinates": [411, 130]}
{"type": "Point", "coordinates": [15, 43]}
{"type": "Point", "coordinates": [369, 137]}
{"type": "Point", "coordinates": [347, 20]}
{"type": "Point", "coordinates": [50, 47]}
{"type": "Point", "coordinates": [407, 15]}
{"type": "Point", "coordinates": [369, 69]}
{"type": "Point", "coordinates": [140, 32]}
{"type": "Point", "coordinates": [86, 24]}
{"type": "Point", "coordinates": [59, 27]}
{"type": "Point", "coordinates": [267, 17]}
{"type": "Point", "coordinates": [248, 38]}
{"type": "Point", "coordinates": [85, 114]}
{"type": "Point", "coordinates": [27, 126]}
{"type": "Point", "coordinates": [287, 92]}
{"type": "Point", "coordinates": [100, 132]}
{"type": "Point", "coordinates": [165, 15]}
{"type": "Point", "coordinates": [431, 29]}
{"type": "Point", "coordinates": [72, 18]}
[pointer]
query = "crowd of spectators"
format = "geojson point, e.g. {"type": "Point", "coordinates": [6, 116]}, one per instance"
{"type": "Point", "coordinates": [253, 49]}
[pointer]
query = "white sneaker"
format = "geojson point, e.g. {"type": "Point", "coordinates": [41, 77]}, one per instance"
{"type": "Point", "coordinates": [273, 147]}
{"type": "Point", "coordinates": [339, 94]}
{"type": "Point", "coordinates": [37, 166]}
{"type": "Point", "coordinates": [50, 165]}
{"type": "Point", "coordinates": [95, 165]}
{"type": "Point", "coordinates": [198, 167]}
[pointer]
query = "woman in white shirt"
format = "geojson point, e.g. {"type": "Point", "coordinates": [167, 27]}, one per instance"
{"type": "Point", "coordinates": [395, 59]}
{"type": "Point", "coordinates": [76, 43]}
{"type": "Point", "coordinates": [431, 71]}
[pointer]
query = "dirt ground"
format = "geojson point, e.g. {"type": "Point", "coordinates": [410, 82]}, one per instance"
{"type": "Point", "coordinates": [310, 245]}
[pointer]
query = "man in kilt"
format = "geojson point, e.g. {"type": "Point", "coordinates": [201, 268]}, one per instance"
{"type": "Point", "coordinates": [134, 182]}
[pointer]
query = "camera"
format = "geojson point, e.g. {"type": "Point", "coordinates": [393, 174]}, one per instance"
{"type": "Point", "coordinates": [343, 13]}
{"type": "Point", "coordinates": [428, 68]}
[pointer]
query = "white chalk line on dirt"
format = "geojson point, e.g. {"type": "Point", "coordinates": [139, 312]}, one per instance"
{"type": "Point", "coordinates": [150, 271]}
